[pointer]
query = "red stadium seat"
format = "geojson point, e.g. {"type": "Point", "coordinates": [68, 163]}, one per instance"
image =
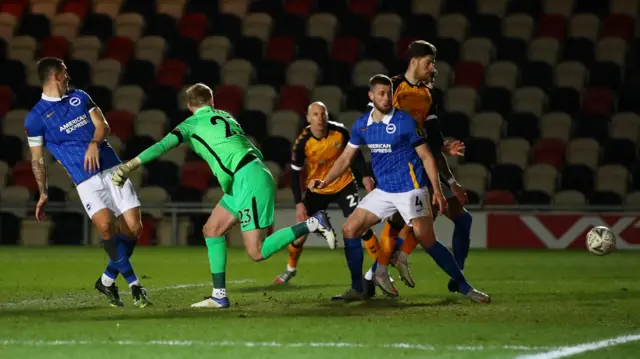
{"type": "Point", "coordinates": [552, 25]}
{"type": "Point", "coordinates": [618, 25]}
{"type": "Point", "coordinates": [345, 49]}
{"type": "Point", "coordinates": [149, 226]}
{"type": "Point", "coordinates": [597, 101]}
{"type": "Point", "coordinates": [6, 97]}
{"type": "Point", "coordinates": [229, 98]}
{"type": "Point", "coordinates": [366, 8]}
{"type": "Point", "coordinates": [195, 174]}
{"type": "Point", "coordinates": [121, 123]}
{"type": "Point", "coordinates": [78, 7]}
{"type": "Point", "coordinates": [402, 45]}
{"type": "Point", "coordinates": [120, 49]}
{"type": "Point", "coordinates": [469, 74]}
{"type": "Point", "coordinates": [281, 48]}
{"type": "Point", "coordinates": [172, 73]}
{"type": "Point", "coordinates": [22, 176]}
{"type": "Point", "coordinates": [549, 151]}
{"type": "Point", "coordinates": [14, 7]}
{"type": "Point", "coordinates": [498, 197]}
{"type": "Point", "coordinates": [194, 26]}
{"type": "Point", "coordinates": [294, 98]}
{"type": "Point", "coordinates": [299, 7]}
{"type": "Point", "coordinates": [54, 46]}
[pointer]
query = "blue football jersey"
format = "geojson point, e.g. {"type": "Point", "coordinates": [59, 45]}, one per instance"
{"type": "Point", "coordinates": [392, 142]}
{"type": "Point", "coordinates": [64, 127]}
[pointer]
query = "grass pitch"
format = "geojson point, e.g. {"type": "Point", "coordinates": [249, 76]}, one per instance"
{"type": "Point", "coordinates": [543, 302]}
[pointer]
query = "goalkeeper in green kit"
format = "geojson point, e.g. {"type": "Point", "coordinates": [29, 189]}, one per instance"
{"type": "Point", "coordinates": [249, 188]}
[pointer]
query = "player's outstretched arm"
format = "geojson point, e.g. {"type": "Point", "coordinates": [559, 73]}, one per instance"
{"type": "Point", "coordinates": [430, 167]}
{"type": "Point", "coordinates": [338, 168]}
{"type": "Point", "coordinates": [39, 168]}
{"type": "Point", "coordinates": [122, 173]}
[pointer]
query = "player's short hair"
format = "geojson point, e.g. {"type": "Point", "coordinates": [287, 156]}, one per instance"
{"type": "Point", "coordinates": [421, 48]}
{"type": "Point", "coordinates": [199, 95]}
{"type": "Point", "coordinates": [47, 66]}
{"type": "Point", "coordinates": [380, 79]}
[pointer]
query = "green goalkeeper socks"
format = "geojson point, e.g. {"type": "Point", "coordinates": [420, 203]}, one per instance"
{"type": "Point", "coordinates": [282, 238]}
{"type": "Point", "coordinates": [217, 251]}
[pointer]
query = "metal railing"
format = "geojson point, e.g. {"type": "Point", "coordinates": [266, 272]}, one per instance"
{"type": "Point", "coordinates": [176, 209]}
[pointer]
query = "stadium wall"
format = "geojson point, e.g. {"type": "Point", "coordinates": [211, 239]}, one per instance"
{"type": "Point", "coordinates": [557, 230]}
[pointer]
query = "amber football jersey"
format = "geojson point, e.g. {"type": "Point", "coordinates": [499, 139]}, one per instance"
{"type": "Point", "coordinates": [317, 155]}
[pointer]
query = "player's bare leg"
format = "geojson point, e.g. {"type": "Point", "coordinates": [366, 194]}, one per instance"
{"type": "Point", "coordinates": [130, 228]}
{"type": "Point", "coordinates": [425, 234]}
{"type": "Point", "coordinates": [106, 225]}
{"type": "Point", "coordinates": [295, 250]}
{"type": "Point", "coordinates": [220, 222]}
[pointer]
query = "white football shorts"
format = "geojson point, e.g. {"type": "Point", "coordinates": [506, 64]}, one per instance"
{"type": "Point", "coordinates": [410, 205]}
{"type": "Point", "coordinates": [99, 192]}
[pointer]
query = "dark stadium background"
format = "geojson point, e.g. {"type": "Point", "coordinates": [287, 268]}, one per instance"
{"type": "Point", "coordinates": [544, 93]}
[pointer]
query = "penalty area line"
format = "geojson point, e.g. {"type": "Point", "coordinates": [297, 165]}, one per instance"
{"type": "Point", "coordinates": [250, 344]}
{"type": "Point", "coordinates": [83, 297]}
{"type": "Point", "coordinates": [570, 350]}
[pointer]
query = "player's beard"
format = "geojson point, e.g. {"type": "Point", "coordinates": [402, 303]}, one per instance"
{"type": "Point", "coordinates": [382, 109]}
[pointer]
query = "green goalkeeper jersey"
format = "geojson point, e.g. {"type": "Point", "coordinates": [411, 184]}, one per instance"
{"type": "Point", "coordinates": [215, 136]}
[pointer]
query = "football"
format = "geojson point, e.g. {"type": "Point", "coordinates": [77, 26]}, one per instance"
{"type": "Point", "coordinates": [601, 241]}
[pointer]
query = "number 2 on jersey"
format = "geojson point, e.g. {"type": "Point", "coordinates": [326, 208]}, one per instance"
{"type": "Point", "coordinates": [227, 128]}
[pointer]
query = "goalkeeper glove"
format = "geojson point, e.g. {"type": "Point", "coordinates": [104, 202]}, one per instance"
{"type": "Point", "coordinates": [121, 174]}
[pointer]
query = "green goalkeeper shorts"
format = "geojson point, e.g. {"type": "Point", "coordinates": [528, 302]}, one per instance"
{"type": "Point", "coordinates": [254, 192]}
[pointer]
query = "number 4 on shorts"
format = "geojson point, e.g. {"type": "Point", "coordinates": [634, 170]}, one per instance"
{"type": "Point", "coordinates": [418, 202]}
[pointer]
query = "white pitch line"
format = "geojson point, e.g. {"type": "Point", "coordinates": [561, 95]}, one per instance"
{"type": "Point", "coordinates": [249, 344]}
{"type": "Point", "coordinates": [571, 350]}
{"type": "Point", "coordinates": [66, 299]}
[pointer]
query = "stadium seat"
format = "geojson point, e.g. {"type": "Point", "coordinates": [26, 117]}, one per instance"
{"type": "Point", "coordinates": [477, 49]}
{"type": "Point", "coordinates": [281, 49]}
{"type": "Point", "coordinates": [34, 25]}
{"type": "Point", "coordinates": [364, 69]}
{"type": "Point", "coordinates": [348, 118]}
{"type": "Point", "coordinates": [501, 74]}
{"type": "Point", "coordinates": [498, 198]}
{"type": "Point", "coordinates": [487, 125]}
{"type": "Point", "coordinates": [611, 50]}
{"type": "Point", "coordinates": [474, 176]}
{"type": "Point", "coordinates": [98, 25]}
{"type": "Point", "coordinates": [583, 151]}
{"type": "Point", "coordinates": [519, 26]}
{"type": "Point", "coordinates": [303, 73]}
{"type": "Point", "coordinates": [514, 151]}
{"type": "Point", "coordinates": [633, 199]}
{"type": "Point", "coordinates": [4, 175]}
{"type": "Point", "coordinates": [578, 178]}
{"type": "Point", "coordinates": [480, 150]}
{"type": "Point", "coordinates": [541, 178]}
{"type": "Point", "coordinates": [579, 49]}
{"type": "Point", "coordinates": [257, 25]}
{"type": "Point", "coordinates": [380, 49]}
{"type": "Point", "coordinates": [128, 98]}
{"type": "Point", "coordinates": [22, 176]}
{"type": "Point", "coordinates": [277, 149]}
{"type": "Point", "coordinates": [106, 73]}
{"type": "Point", "coordinates": [555, 126]}
{"type": "Point", "coordinates": [448, 50]}
{"type": "Point", "coordinates": [612, 178]}
{"type": "Point", "coordinates": [195, 174]}
{"type": "Point", "coordinates": [593, 126]}
{"type": "Point", "coordinates": [511, 49]}
{"type": "Point", "coordinates": [120, 49]}
{"type": "Point", "coordinates": [288, 25]}
{"type": "Point", "coordinates": [585, 26]}
{"type": "Point", "coordinates": [66, 25]}
{"type": "Point", "coordinates": [354, 25]}
{"type": "Point", "coordinates": [227, 25]}
{"type": "Point", "coordinates": [549, 151]}
{"type": "Point", "coordinates": [129, 25]}
{"type": "Point", "coordinates": [299, 7]}
{"type": "Point", "coordinates": [537, 74]}
{"type": "Point", "coordinates": [205, 71]}
{"type": "Point", "coordinates": [565, 99]}
{"type": "Point", "coordinates": [11, 148]}
{"type": "Point", "coordinates": [625, 125]}
{"type": "Point", "coordinates": [216, 48]}
{"type": "Point", "coordinates": [597, 101]}
{"type": "Point", "coordinates": [469, 74]}
{"type": "Point", "coordinates": [6, 98]}
{"type": "Point", "coordinates": [322, 25]}
{"type": "Point", "coordinates": [461, 100]}
{"type": "Point", "coordinates": [154, 197]}
{"type": "Point", "coordinates": [486, 25]}
{"type": "Point", "coordinates": [193, 26]}
{"type": "Point", "coordinates": [345, 49]}
{"type": "Point", "coordinates": [529, 100]}
{"type": "Point", "coordinates": [605, 74]}
{"type": "Point", "coordinates": [569, 198]}
{"type": "Point", "coordinates": [172, 73]}
{"type": "Point", "coordinates": [102, 96]}
{"type": "Point", "coordinates": [453, 26]}
{"type": "Point", "coordinates": [294, 98]}
{"type": "Point", "coordinates": [621, 152]}
{"type": "Point", "coordinates": [456, 125]}
{"type": "Point", "coordinates": [260, 98]}
{"type": "Point", "coordinates": [23, 49]}
{"type": "Point", "coordinates": [544, 49]}
{"type": "Point", "coordinates": [606, 198]}
{"type": "Point", "coordinates": [13, 123]}
{"type": "Point", "coordinates": [276, 171]}
{"type": "Point", "coordinates": [570, 74]}
{"type": "Point", "coordinates": [55, 46]}
{"type": "Point", "coordinates": [285, 124]}
{"type": "Point", "coordinates": [238, 72]}
{"type": "Point", "coordinates": [254, 124]}
{"type": "Point", "coordinates": [331, 96]}
{"type": "Point", "coordinates": [524, 125]}
{"type": "Point", "coordinates": [507, 177]}
{"type": "Point", "coordinates": [389, 26]}
{"type": "Point", "coordinates": [445, 73]}
{"type": "Point", "coordinates": [121, 123]}
{"type": "Point", "coordinates": [552, 25]}
{"type": "Point", "coordinates": [116, 143]}
{"type": "Point", "coordinates": [618, 25]}
{"type": "Point", "coordinates": [628, 98]}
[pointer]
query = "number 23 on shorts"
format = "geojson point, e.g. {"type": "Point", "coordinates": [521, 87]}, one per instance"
{"type": "Point", "coordinates": [245, 216]}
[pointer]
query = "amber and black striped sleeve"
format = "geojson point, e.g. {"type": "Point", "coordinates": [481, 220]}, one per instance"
{"type": "Point", "coordinates": [432, 127]}
{"type": "Point", "coordinates": [297, 163]}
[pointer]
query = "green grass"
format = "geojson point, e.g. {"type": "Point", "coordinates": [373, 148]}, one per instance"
{"type": "Point", "coordinates": [541, 300]}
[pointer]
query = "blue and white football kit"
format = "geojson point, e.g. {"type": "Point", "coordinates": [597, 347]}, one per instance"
{"type": "Point", "coordinates": [64, 127]}
{"type": "Point", "coordinates": [402, 184]}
